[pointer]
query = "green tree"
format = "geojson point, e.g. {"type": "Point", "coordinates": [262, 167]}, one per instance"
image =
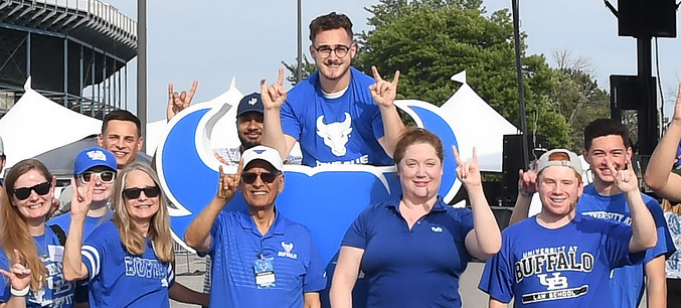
{"type": "Point", "coordinates": [577, 95]}
{"type": "Point", "coordinates": [308, 69]}
{"type": "Point", "coordinates": [430, 40]}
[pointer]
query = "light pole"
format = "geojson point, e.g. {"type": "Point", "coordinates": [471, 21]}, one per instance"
{"type": "Point", "coordinates": [142, 67]}
{"type": "Point", "coordinates": [299, 76]}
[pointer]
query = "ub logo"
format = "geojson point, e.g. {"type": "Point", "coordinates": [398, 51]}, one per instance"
{"type": "Point", "coordinates": [335, 135]}
{"type": "Point", "coordinates": [555, 283]}
{"type": "Point", "coordinates": [252, 101]}
{"type": "Point", "coordinates": [96, 155]}
{"type": "Point", "coordinates": [288, 247]}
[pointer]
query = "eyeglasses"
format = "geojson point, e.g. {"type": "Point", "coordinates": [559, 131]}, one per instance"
{"type": "Point", "coordinates": [107, 177]}
{"type": "Point", "coordinates": [267, 177]}
{"type": "Point", "coordinates": [134, 193]}
{"type": "Point", "coordinates": [339, 50]}
{"type": "Point", "coordinates": [24, 192]}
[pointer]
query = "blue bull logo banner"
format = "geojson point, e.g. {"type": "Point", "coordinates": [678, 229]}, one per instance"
{"type": "Point", "coordinates": [326, 199]}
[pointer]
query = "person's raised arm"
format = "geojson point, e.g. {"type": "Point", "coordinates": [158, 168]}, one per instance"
{"type": "Point", "coordinates": [197, 235]}
{"type": "Point", "coordinates": [74, 268]}
{"type": "Point", "coordinates": [484, 240]}
{"type": "Point", "coordinates": [658, 173]}
{"type": "Point", "coordinates": [345, 276]}
{"type": "Point", "coordinates": [273, 97]}
{"type": "Point", "coordinates": [384, 92]}
{"type": "Point", "coordinates": [527, 182]}
{"type": "Point", "coordinates": [179, 101]}
{"type": "Point", "coordinates": [642, 223]}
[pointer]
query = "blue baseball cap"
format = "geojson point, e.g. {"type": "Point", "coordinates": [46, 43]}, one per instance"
{"type": "Point", "coordinates": [250, 102]}
{"type": "Point", "coordinates": [94, 157]}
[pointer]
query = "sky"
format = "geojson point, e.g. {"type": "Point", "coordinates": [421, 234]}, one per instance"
{"type": "Point", "coordinates": [215, 41]}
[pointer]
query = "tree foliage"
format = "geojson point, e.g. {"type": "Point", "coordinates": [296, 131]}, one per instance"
{"type": "Point", "coordinates": [428, 41]}
{"type": "Point", "coordinates": [308, 69]}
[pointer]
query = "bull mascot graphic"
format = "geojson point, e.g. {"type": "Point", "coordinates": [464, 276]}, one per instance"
{"type": "Point", "coordinates": [326, 198]}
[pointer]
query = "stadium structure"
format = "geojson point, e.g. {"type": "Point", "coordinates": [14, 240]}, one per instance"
{"type": "Point", "coordinates": [75, 51]}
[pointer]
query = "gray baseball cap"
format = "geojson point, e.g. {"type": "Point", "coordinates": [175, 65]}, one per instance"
{"type": "Point", "coordinates": [574, 162]}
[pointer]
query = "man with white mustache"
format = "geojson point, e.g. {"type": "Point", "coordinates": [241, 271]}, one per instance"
{"type": "Point", "coordinates": [260, 258]}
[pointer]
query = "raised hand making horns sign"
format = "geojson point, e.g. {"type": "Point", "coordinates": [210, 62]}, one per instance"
{"type": "Point", "coordinates": [274, 96]}
{"type": "Point", "coordinates": [384, 91]}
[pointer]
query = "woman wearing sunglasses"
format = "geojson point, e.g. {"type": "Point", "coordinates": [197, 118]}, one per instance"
{"type": "Point", "coordinates": [128, 261]}
{"type": "Point", "coordinates": [31, 255]}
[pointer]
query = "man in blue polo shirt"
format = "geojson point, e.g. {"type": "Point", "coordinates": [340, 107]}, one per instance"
{"type": "Point", "coordinates": [260, 259]}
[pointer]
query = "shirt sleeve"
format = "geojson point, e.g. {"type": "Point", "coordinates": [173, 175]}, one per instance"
{"type": "Point", "coordinates": [465, 221]}
{"type": "Point", "coordinates": [4, 282]}
{"type": "Point", "coordinates": [94, 249]}
{"type": "Point", "coordinates": [665, 242]}
{"type": "Point", "coordinates": [616, 246]}
{"type": "Point", "coordinates": [315, 277]}
{"type": "Point", "coordinates": [357, 236]}
{"type": "Point", "coordinates": [498, 279]}
{"type": "Point", "coordinates": [289, 123]}
{"type": "Point", "coordinates": [216, 233]}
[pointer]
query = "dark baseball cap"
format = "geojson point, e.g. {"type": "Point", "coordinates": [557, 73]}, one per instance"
{"type": "Point", "coordinates": [250, 102]}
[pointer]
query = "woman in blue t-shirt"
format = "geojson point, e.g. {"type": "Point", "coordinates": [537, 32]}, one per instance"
{"type": "Point", "coordinates": [413, 250]}
{"type": "Point", "coordinates": [128, 261]}
{"type": "Point", "coordinates": [31, 256]}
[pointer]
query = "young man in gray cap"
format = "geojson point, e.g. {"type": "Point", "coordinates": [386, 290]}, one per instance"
{"type": "Point", "coordinates": [260, 258]}
{"type": "Point", "coordinates": [562, 258]}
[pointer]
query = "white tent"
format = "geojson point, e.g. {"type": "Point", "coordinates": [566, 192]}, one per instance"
{"type": "Point", "coordinates": [35, 125]}
{"type": "Point", "coordinates": [476, 124]}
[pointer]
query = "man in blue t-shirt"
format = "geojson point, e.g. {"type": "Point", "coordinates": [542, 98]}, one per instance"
{"type": "Point", "coordinates": [607, 140]}
{"type": "Point", "coordinates": [561, 258]}
{"type": "Point", "coordinates": [259, 258]}
{"type": "Point", "coordinates": [338, 115]}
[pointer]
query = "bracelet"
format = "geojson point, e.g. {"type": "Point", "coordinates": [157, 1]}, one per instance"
{"type": "Point", "coordinates": [19, 293]}
{"type": "Point", "coordinates": [524, 193]}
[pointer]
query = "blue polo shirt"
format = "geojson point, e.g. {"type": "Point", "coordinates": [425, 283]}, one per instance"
{"type": "Point", "coordinates": [412, 268]}
{"type": "Point", "coordinates": [237, 244]}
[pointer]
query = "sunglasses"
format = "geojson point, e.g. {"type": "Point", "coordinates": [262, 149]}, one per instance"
{"type": "Point", "coordinates": [107, 177]}
{"type": "Point", "coordinates": [134, 193]}
{"type": "Point", "coordinates": [24, 192]}
{"type": "Point", "coordinates": [250, 177]}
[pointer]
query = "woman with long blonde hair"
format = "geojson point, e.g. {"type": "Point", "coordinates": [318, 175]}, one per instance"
{"type": "Point", "coordinates": [128, 261]}
{"type": "Point", "coordinates": [31, 255]}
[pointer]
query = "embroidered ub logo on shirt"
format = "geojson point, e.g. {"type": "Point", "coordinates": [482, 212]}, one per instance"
{"type": "Point", "coordinates": [287, 251]}
{"type": "Point", "coordinates": [335, 135]}
{"type": "Point", "coordinates": [436, 229]}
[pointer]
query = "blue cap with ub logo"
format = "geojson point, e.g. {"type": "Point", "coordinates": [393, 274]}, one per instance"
{"type": "Point", "coordinates": [94, 157]}
{"type": "Point", "coordinates": [250, 102]}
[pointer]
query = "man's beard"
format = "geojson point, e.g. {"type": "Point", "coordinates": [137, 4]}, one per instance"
{"type": "Point", "coordinates": [247, 144]}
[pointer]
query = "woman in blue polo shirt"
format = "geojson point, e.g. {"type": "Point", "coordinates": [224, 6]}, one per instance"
{"type": "Point", "coordinates": [414, 250]}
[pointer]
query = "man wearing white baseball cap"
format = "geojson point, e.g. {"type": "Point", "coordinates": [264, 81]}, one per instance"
{"type": "Point", "coordinates": [560, 257]}
{"type": "Point", "coordinates": [260, 259]}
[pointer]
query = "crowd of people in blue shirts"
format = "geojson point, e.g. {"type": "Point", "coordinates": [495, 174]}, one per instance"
{"type": "Point", "coordinates": [597, 244]}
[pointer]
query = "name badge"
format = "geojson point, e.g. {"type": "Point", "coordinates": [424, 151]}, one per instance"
{"type": "Point", "coordinates": [56, 253]}
{"type": "Point", "coordinates": [264, 273]}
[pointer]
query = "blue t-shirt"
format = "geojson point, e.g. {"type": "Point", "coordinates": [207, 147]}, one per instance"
{"type": "Point", "coordinates": [412, 268]}
{"type": "Point", "coordinates": [335, 130]}
{"type": "Point", "coordinates": [64, 221]}
{"type": "Point", "coordinates": [120, 279]}
{"type": "Point", "coordinates": [236, 245]}
{"type": "Point", "coordinates": [58, 292]}
{"type": "Point", "coordinates": [627, 283]}
{"type": "Point", "coordinates": [564, 267]}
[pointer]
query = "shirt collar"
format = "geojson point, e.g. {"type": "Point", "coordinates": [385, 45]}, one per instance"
{"type": "Point", "coordinates": [248, 223]}
{"type": "Point", "coordinates": [439, 206]}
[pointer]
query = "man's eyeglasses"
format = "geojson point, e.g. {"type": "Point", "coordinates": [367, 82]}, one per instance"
{"type": "Point", "coordinates": [24, 192]}
{"type": "Point", "coordinates": [250, 177]}
{"type": "Point", "coordinates": [339, 50]}
{"type": "Point", "coordinates": [107, 177]}
{"type": "Point", "coordinates": [134, 193]}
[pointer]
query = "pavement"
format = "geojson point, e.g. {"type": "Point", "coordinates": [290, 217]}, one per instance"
{"type": "Point", "coordinates": [189, 271]}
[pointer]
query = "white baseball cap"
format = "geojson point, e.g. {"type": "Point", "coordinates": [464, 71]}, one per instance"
{"type": "Point", "coordinates": [263, 153]}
